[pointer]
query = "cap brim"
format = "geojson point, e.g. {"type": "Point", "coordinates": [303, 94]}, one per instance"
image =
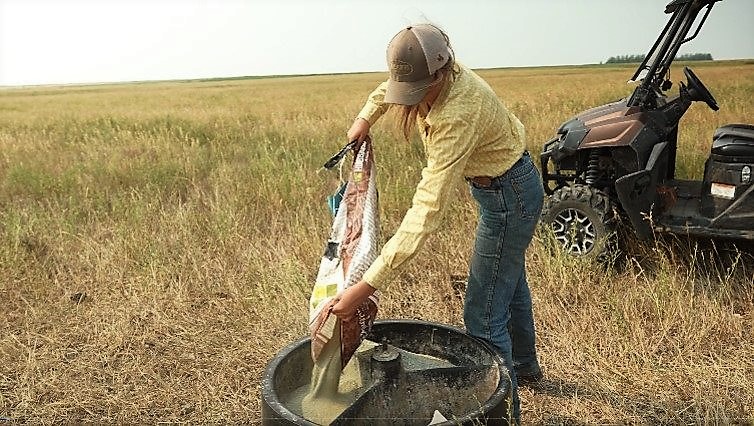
{"type": "Point", "coordinates": [407, 92]}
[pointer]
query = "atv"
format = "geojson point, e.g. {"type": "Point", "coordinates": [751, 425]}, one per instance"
{"type": "Point", "coordinates": [617, 161]}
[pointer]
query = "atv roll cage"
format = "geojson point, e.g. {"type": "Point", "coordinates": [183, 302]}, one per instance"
{"type": "Point", "coordinates": [654, 69]}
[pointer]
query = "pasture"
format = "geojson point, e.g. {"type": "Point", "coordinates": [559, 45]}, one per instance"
{"type": "Point", "coordinates": [158, 242]}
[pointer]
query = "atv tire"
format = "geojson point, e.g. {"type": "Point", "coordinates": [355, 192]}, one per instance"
{"type": "Point", "coordinates": [581, 218]}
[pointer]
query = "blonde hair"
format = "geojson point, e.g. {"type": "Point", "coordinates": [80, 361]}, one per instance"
{"type": "Point", "coordinates": [406, 114]}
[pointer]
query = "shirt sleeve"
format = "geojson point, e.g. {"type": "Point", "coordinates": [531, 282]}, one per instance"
{"type": "Point", "coordinates": [375, 106]}
{"type": "Point", "coordinates": [450, 143]}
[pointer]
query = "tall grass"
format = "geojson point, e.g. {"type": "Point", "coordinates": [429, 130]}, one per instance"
{"type": "Point", "coordinates": [158, 242]}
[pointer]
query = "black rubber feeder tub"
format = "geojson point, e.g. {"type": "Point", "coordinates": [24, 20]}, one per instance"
{"type": "Point", "coordinates": [471, 387]}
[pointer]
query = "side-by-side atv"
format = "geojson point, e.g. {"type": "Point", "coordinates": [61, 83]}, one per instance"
{"type": "Point", "coordinates": [619, 159]}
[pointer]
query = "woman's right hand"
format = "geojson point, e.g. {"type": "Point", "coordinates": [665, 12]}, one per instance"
{"type": "Point", "coordinates": [359, 130]}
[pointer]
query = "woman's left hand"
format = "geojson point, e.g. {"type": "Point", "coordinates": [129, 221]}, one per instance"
{"type": "Point", "coordinates": [352, 298]}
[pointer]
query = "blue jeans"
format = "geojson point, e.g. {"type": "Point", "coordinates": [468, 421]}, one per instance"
{"type": "Point", "coordinates": [498, 302]}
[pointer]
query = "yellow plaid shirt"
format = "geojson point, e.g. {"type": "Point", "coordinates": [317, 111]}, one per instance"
{"type": "Point", "coordinates": [468, 132]}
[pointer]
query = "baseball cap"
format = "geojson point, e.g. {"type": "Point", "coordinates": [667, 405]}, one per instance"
{"type": "Point", "coordinates": [413, 56]}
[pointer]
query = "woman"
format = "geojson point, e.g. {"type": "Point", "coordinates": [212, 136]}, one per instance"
{"type": "Point", "coordinates": [467, 133]}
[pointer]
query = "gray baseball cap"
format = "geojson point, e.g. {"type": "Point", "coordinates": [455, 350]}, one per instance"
{"type": "Point", "coordinates": [413, 56]}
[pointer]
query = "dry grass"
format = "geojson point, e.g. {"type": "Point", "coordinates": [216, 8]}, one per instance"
{"type": "Point", "coordinates": [158, 243]}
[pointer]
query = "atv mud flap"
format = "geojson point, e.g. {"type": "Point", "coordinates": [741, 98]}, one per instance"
{"type": "Point", "coordinates": [637, 191]}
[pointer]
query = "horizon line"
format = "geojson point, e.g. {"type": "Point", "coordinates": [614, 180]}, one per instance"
{"type": "Point", "coordinates": [270, 76]}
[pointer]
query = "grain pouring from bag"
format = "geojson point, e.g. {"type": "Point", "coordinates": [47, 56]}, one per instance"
{"type": "Point", "coordinates": [351, 248]}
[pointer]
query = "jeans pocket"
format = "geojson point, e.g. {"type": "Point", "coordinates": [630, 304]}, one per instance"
{"type": "Point", "coordinates": [492, 221]}
{"type": "Point", "coordinates": [489, 199]}
{"type": "Point", "coordinates": [529, 193]}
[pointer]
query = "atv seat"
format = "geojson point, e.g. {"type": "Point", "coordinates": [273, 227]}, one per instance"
{"type": "Point", "coordinates": [735, 140]}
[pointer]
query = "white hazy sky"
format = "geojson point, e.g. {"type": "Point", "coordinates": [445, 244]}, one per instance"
{"type": "Point", "coordinates": [85, 41]}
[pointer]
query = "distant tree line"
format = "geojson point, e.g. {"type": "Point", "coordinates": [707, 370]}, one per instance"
{"type": "Point", "coordinates": [624, 59]}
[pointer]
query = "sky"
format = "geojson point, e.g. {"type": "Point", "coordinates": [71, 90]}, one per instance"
{"type": "Point", "coordinates": [91, 41]}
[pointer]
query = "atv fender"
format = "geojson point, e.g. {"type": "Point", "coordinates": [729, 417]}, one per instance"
{"type": "Point", "coordinates": [637, 191]}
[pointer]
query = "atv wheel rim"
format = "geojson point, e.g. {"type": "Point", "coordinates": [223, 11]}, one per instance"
{"type": "Point", "coordinates": [574, 231]}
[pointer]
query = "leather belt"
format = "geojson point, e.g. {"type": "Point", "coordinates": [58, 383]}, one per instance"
{"type": "Point", "coordinates": [486, 181]}
{"type": "Point", "coordinates": [481, 181]}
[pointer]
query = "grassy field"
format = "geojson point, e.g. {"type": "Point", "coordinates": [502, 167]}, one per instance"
{"type": "Point", "coordinates": [158, 242]}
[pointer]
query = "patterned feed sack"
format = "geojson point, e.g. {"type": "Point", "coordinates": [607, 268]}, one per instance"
{"type": "Point", "coordinates": [351, 248]}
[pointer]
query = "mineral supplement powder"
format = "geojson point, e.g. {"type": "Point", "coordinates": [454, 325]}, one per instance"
{"type": "Point", "coordinates": [331, 391]}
